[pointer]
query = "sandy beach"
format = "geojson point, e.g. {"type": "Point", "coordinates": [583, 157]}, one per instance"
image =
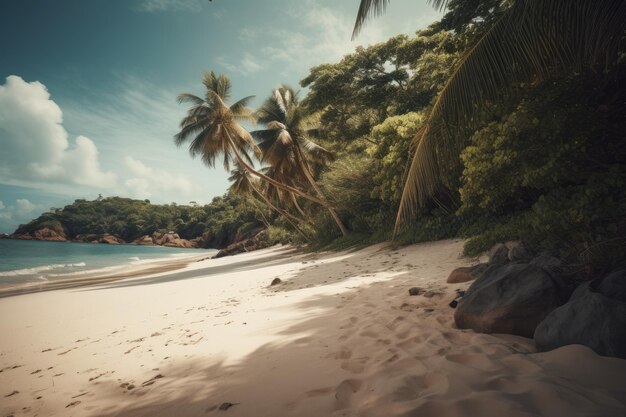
{"type": "Point", "coordinates": [339, 336]}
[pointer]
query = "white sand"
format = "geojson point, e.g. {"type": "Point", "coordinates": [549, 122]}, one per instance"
{"type": "Point", "coordinates": [339, 337]}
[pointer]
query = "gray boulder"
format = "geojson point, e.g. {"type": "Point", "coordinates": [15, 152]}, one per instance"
{"type": "Point", "coordinates": [614, 285]}
{"type": "Point", "coordinates": [512, 298]}
{"type": "Point", "coordinates": [499, 254]}
{"type": "Point", "coordinates": [519, 251]}
{"type": "Point", "coordinates": [595, 316]}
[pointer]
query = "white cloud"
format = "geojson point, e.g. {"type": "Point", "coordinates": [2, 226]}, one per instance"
{"type": "Point", "coordinates": [35, 145]}
{"type": "Point", "coordinates": [246, 66]}
{"type": "Point", "coordinates": [138, 119]}
{"type": "Point", "coordinates": [168, 5]}
{"type": "Point", "coordinates": [24, 205]}
{"type": "Point", "coordinates": [146, 181]}
{"type": "Point", "coordinates": [21, 211]}
{"type": "Point", "coordinates": [324, 34]}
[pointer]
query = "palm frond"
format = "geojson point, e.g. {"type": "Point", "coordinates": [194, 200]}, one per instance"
{"type": "Point", "coordinates": [189, 98]}
{"type": "Point", "coordinates": [532, 41]}
{"type": "Point", "coordinates": [366, 9]}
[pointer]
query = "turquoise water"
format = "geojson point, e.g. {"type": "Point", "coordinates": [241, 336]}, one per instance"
{"type": "Point", "coordinates": [24, 261]}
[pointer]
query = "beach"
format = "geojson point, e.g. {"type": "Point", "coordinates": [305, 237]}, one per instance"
{"type": "Point", "coordinates": [338, 336]}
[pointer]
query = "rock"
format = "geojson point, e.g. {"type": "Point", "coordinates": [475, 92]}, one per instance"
{"type": "Point", "coordinates": [49, 234]}
{"type": "Point", "coordinates": [519, 251]}
{"type": "Point", "coordinates": [179, 243]}
{"type": "Point", "coordinates": [144, 240]}
{"type": "Point", "coordinates": [590, 318]}
{"type": "Point", "coordinates": [512, 298]}
{"type": "Point", "coordinates": [549, 263]}
{"type": "Point", "coordinates": [466, 273]}
{"type": "Point", "coordinates": [614, 285]}
{"type": "Point", "coordinates": [110, 239]}
{"type": "Point", "coordinates": [416, 291]}
{"type": "Point", "coordinates": [499, 254]}
{"type": "Point", "coordinates": [276, 281]}
{"type": "Point", "coordinates": [21, 236]}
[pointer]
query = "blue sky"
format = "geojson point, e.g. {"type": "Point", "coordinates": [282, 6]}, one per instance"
{"type": "Point", "coordinates": [88, 87]}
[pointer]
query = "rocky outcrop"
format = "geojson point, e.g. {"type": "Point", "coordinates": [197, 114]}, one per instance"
{"type": "Point", "coordinates": [466, 273]}
{"type": "Point", "coordinates": [44, 233]}
{"type": "Point", "coordinates": [259, 241]}
{"type": "Point", "coordinates": [511, 298]}
{"type": "Point", "coordinates": [110, 239]}
{"type": "Point", "coordinates": [595, 316]}
{"type": "Point", "coordinates": [144, 240]}
{"type": "Point", "coordinates": [172, 240]}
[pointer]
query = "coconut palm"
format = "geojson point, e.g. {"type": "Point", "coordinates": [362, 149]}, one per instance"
{"type": "Point", "coordinates": [214, 130]}
{"type": "Point", "coordinates": [531, 41]}
{"type": "Point", "coordinates": [243, 183]}
{"type": "Point", "coordinates": [285, 143]}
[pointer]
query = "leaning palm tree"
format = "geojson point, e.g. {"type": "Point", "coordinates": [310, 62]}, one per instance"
{"type": "Point", "coordinates": [285, 143]}
{"type": "Point", "coordinates": [214, 130]}
{"type": "Point", "coordinates": [243, 183]}
{"type": "Point", "coordinates": [531, 41]}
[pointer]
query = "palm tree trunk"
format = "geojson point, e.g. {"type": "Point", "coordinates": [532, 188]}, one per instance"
{"type": "Point", "coordinates": [287, 215]}
{"type": "Point", "coordinates": [296, 205]}
{"type": "Point", "coordinates": [272, 180]}
{"type": "Point", "coordinates": [307, 173]}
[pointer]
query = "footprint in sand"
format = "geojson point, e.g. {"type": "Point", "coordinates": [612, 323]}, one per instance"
{"type": "Point", "coordinates": [345, 391]}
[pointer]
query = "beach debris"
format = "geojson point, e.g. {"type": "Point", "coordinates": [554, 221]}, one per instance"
{"type": "Point", "coordinates": [416, 291]}
{"type": "Point", "coordinates": [453, 303]}
{"type": "Point", "coordinates": [225, 406]}
{"type": "Point", "coordinates": [12, 394]}
{"type": "Point", "coordinates": [72, 404]}
{"type": "Point", "coordinates": [276, 281]}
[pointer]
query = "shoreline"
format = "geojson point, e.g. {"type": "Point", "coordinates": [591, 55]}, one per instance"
{"type": "Point", "coordinates": [338, 336]}
{"type": "Point", "coordinates": [84, 279]}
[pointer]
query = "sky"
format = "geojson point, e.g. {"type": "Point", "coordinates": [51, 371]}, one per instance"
{"type": "Point", "coordinates": [88, 87]}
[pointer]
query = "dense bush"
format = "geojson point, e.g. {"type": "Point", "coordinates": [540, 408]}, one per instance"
{"type": "Point", "coordinates": [551, 172]}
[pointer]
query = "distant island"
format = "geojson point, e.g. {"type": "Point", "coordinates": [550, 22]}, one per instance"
{"type": "Point", "coordinates": [229, 223]}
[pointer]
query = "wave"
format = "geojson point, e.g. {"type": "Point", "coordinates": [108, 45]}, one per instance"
{"type": "Point", "coordinates": [38, 269]}
{"type": "Point", "coordinates": [134, 258]}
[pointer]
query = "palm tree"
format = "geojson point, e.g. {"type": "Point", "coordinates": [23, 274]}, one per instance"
{"type": "Point", "coordinates": [214, 130]}
{"type": "Point", "coordinates": [531, 41]}
{"type": "Point", "coordinates": [243, 183]}
{"type": "Point", "coordinates": [285, 143]}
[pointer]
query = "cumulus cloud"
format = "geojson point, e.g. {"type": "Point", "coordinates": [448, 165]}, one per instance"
{"type": "Point", "coordinates": [146, 180]}
{"type": "Point", "coordinates": [35, 144]}
{"type": "Point", "coordinates": [168, 5]}
{"type": "Point", "coordinates": [21, 211]}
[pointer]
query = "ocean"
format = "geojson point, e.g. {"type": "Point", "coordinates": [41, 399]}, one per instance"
{"type": "Point", "coordinates": [30, 261]}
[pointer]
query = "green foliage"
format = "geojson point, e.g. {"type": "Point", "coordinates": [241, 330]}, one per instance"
{"type": "Point", "coordinates": [551, 172]}
{"type": "Point", "coordinates": [277, 234]}
{"type": "Point", "coordinates": [391, 152]}
{"type": "Point", "coordinates": [130, 219]}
